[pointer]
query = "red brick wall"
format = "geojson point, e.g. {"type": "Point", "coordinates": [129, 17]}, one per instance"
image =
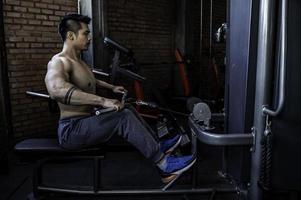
{"type": "Point", "coordinates": [31, 40]}
{"type": "Point", "coordinates": [147, 27]}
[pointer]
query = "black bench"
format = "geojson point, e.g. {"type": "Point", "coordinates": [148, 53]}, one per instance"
{"type": "Point", "coordinates": [47, 150]}
{"type": "Point", "coordinates": [35, 146]}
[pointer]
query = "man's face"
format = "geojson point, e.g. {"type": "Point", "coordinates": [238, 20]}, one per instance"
{"type": "Point", "coordinates": [83, 37]}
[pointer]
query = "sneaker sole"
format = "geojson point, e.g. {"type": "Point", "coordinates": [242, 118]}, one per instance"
{"type": "Point", "coordinates": [171, 149]}
{"type": "Point", "coordinates": [176, 174]}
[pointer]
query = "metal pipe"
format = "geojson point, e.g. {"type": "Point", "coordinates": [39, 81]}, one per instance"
{"type": "Point", "coordinates": [201, 31]}
{"type": "Point", "coordinates": [117, 46]}
{"type": "Point", "coordinates": [210, 28]}
{"type": "Point", "coordinates": [220, 139]}
{"type": "Point", "coordinates": [79, 6]}
{"type": "Point", "coordinates": [131, 74]}
{"type": "Point", "coordinates": [100, 73]}
{"type": "Point", "coordinates": [283, 48]}
{"type": "Point", "coordinates": [139, 192]}
{"type": "Point", "coordinates": [38, 94]}
{"type": "Point", "coordinates": [159, 63]}
{"type": "Point", "coordinates": [262, 93]}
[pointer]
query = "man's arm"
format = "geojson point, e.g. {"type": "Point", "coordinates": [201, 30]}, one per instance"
{"type": "Point", "coordinates": [116, 89]}
{"type": "Point", "coordinates": [58, 85]}
{"type": "Point", "coordinates": [104, 84]}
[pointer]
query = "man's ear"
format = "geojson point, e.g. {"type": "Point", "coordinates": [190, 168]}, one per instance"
{"type": "Point", "coordinates": [70, 35]}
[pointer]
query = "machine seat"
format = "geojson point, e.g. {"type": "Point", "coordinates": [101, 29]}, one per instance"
{"type": "Point", "coordinates": [40, 147]}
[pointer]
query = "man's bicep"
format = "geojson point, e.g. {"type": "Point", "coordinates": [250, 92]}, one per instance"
{"type": "Point", "coordinates": [56, 78]}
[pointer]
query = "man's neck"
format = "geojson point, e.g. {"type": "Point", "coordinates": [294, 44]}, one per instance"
{"type": "Point", "coordinates": [71, 52]}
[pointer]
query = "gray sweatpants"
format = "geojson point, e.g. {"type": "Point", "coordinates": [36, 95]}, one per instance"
{"type": "Point", "coordinates": [81, 132]}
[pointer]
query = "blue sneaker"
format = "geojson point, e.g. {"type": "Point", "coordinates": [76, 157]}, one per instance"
{"type": "Point", "coordinates": [175, 166]}
{"type": "Point", "coordinates": [168, 146]}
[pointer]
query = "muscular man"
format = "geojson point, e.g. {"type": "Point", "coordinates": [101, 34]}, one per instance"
{"type": "Point", "coordinates": [71, 83]}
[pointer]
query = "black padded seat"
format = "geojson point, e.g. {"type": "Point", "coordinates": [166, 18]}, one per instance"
{"type": "Point", "coordinates": [47, 146]}
{"type": "Point", "coordinates": [34, 146]}
{"type": "Point", "coordinates": [38, 144]}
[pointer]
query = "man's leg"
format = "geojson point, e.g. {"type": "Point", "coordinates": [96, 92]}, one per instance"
{"type": "Point", "coordinates": [93, 130]}
{"type": "Point", "coordinates": [130, 107]}
{"type": "Point", "coordinates": [166, 146]}
{"type": "Point", "coordinates": [126, 124]}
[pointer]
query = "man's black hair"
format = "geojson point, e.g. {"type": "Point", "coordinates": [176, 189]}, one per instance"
{"type": "Point", "coordinates": [71, 22]}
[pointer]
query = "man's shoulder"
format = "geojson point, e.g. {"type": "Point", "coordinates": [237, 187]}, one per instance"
{"type": "Point", "coordinates": [59, 61]}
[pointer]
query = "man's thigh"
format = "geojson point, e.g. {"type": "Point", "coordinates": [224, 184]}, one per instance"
{"type": "Point", "coordinates": [101, 128]}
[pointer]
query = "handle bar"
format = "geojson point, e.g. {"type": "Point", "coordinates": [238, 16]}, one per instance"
{"type": "Point", "coordinates": [107, 110]}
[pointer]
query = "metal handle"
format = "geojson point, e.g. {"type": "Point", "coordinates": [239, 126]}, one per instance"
{"type": "Point", "coordinates": [123, 99]}
{"type": "Point", "coordinates": [103, 111]}
{"type": "Point", "coordinates": [283, 48]}
{"type": "Point", "coordinates": [111, 109]}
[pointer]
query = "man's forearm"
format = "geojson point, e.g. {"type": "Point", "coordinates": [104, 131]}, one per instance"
{"type": "Point", "coordinates": [104, 85]}
{"type": "Point", "coordinates": [82, 98]}
{"type": "Point", "coordinates": [68, 95]}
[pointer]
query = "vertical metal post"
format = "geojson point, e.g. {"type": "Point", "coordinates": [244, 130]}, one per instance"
{"type": "Point", "coordinates": [239, 83]}
{"type": "Point", "coordinates": [180, 31]}
{"type": "Point", "coordinates": [101, 57]}
{"type": "Point", "coordinates": [201, 31]}
{"type": "Point", "coordinates": [265, 52]}
{"type": "Point", "coordinates": [79, 6]}
{"type": "Point", "coordinates": [96, 56]}
{"type": "Point", "coordinates": [96, 174]}
{"type": "Point", "coordinates": [210, 28]}
{"type": "Point", "coordinates": [86, 9]}
{"type": "Point", "coordinates": [194, 149]}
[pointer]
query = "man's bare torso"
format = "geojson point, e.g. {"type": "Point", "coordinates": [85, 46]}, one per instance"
{"type": "Point", "coordinates": [81, 76]}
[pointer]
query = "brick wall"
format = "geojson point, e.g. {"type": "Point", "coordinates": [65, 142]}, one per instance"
{"type": "Point", "coordinates": [31, 40]}
{"type": "Point", "coordinates": [147, 27]}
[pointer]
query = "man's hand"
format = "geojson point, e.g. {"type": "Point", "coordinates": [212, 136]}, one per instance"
{"type": "Point", "coordinates": [118, 89]}
{"type": "Point", "coordinates": [113, 103]}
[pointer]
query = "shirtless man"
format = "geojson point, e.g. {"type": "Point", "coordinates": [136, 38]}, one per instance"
{"type": "Point", "coordinates": [71, 83]}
